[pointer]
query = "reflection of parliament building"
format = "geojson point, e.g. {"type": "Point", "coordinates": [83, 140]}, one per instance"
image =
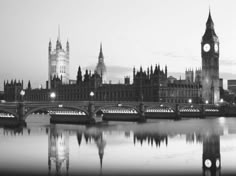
{"type": "Point", "coordinates": [150, 138]}
{"type": "Point", "coordinates": [152, 84]}
{"type": "Point", "coordinates": [58, 152]}
{"type": "Point", "coordinates": [58, 149]}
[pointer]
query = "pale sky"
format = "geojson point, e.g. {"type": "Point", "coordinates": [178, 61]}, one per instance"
{"type": "Point", "coordinates": [133, 33]}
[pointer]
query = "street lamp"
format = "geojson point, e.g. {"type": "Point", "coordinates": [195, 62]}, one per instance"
{"type": "Point", "coordinates": [206, 101]}
{"type": "Point", "coordinates": [190, 100]}
{"type": "Point", "coordinates": [221, 100]}
{"type": "Point", "coordinates": [91, 95]}
{"type": "Point", "coordinates": [22, 93]}
{"type": "Point", "coordinates": [52, 96]}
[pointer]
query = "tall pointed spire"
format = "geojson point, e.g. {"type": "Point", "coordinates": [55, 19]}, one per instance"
{"type": "Point", "coordinates": [49, 46]}
{"type": "Point", "coordinates": [29, 85]}
{"type": "Point", "coordinates": [101, 67]}
{"type": "Point", "coordinates": [67, 46]}
{"type": "Point", "coordinates": [209, 23]}
{"type": "Point", "coordinates": [100, 53]}
{"type": "Point", "coordinates": [101, 47]}
{"type": "Point", "coordinates": [59, 37]}
{"type": "Point", "coordinates": [58, 45]}
{"type": "Point", "coordinates": [210, 34]}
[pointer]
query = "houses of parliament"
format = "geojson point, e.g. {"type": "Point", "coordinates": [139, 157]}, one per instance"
{"type": "Point", "coordinates": [151, 84]}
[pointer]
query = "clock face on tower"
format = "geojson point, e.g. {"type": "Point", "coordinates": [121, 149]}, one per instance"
{"type": "Point", "coordinates": [216, 48]}
{"type": "Point", "coordinates": [206, 47]}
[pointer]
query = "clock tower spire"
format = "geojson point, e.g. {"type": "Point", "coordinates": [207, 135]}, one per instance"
{"type": "Point", "coordinates": [210, 63]}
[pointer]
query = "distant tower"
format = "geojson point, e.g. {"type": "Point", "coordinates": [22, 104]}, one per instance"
{"type": "Point", "coordinates": [198, 76]}
{"type": "Point", "coordinates": [189, 75]}
{"type": "Point", "coordinates": [101, 67]}
{"type": "Point", "coordinates": [58, 61]}
{"type": "Point", "coordinates": [210, 63]}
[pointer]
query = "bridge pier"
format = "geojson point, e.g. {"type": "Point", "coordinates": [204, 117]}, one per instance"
{"type": "Point", "coordinates": [203, 113]}
{"type": "Point", "coordinates": [142, 112]}
{"type": "Point", "coordinates": [91, 109]}
{"type": "Point", "coordinates": [223, 111]}
{"type": "Point", "coordinates": [21, 111]}
{"type": "Point", "coordinates": [177, 112]}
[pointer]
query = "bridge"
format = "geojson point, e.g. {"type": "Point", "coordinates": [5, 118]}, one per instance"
{"type": "Point", "coordinates": [87, 111]}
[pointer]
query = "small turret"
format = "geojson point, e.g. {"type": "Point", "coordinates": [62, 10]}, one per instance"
{"type": "Point", "coordinates": [67, 47]}
{"type": "Point", "coordinates": [50, 46]}
{"type": "Point", "coordinates": [79, 76]}
{"type": "Point", "coordinates": [58, 45]}
{"type": "Point", "coordinates": [86, 76]}
{"type": "Point", "coordinates": [29, 85]}
{"type": "Point", "coordinates": [156, 70]}
{"type": "Point", "coordinates": [166, 71]}
{"type": "Point", "coordinates": [101, 57]}
{"type": "Point", "coordinates": [210, 23]}
{"type": "Point", "coordinates": [133, 73]}
{"type": "Point", "coordinates": [141, 69]}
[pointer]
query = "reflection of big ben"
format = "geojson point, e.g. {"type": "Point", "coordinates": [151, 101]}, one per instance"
{"type": "Point", "coordinates": [58, 151]}
{"type": "Point", "coordinates": [211, 161]}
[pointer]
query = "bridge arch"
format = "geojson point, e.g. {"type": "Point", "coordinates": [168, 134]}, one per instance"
{"type": "Point", "coordinates": [117, 106]}
{"type": "Point", "coordinates": [190, 106]}
{"type": "Point", "coordinates": [162, 106]}
{"type": "Point", "coordinates": [30, 111]}
{"type": "Point", "coordinates": [9, 112]}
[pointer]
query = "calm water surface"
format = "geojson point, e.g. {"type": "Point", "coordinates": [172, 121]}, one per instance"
{"type": "Point", "coordinates": [161, 147]}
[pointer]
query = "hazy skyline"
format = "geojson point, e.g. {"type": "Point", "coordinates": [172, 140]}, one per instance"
{"type": "Point", "coordinates": [133, 33]}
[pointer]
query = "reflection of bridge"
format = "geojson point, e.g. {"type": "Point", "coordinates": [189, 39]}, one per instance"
{"type": "Point", "coordinates": [123, 111]}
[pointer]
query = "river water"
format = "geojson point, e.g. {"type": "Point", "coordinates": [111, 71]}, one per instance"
{"type": "Point", "coordinates": [158, 147]}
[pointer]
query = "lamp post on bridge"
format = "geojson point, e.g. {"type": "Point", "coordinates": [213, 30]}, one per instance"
{"type": "Point", "coordinates": [22, 93]}
{"type": "Point", "coordinates": [91, 107]}
{"type": "Point", "coordinates": [190, 101]}
{"type": "Point", "coordinates": [203, 112]}
{"type": "Point", "coordinates": [52, 96]}
{"type": "Point", "coordinates": [91, 95]}
{"type": "Point", "coordinates": [21, 108]}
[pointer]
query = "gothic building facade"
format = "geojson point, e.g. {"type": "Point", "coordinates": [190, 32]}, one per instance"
{"type": "Point", "coordinates": [148, 85]}
{"type": "Point", "coordinates": [192, 76]}
{"type": "Point", "coordinates": [12, 90]}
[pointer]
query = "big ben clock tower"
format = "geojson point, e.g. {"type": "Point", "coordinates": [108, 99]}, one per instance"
{"type": "Point", "coordinates": [210, 64]}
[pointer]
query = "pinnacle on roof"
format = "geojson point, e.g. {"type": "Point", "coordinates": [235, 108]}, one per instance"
{"type": "Point", "coordinates": [210, 23]}
{"type": "Point", "coordinates": [101, 53]}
